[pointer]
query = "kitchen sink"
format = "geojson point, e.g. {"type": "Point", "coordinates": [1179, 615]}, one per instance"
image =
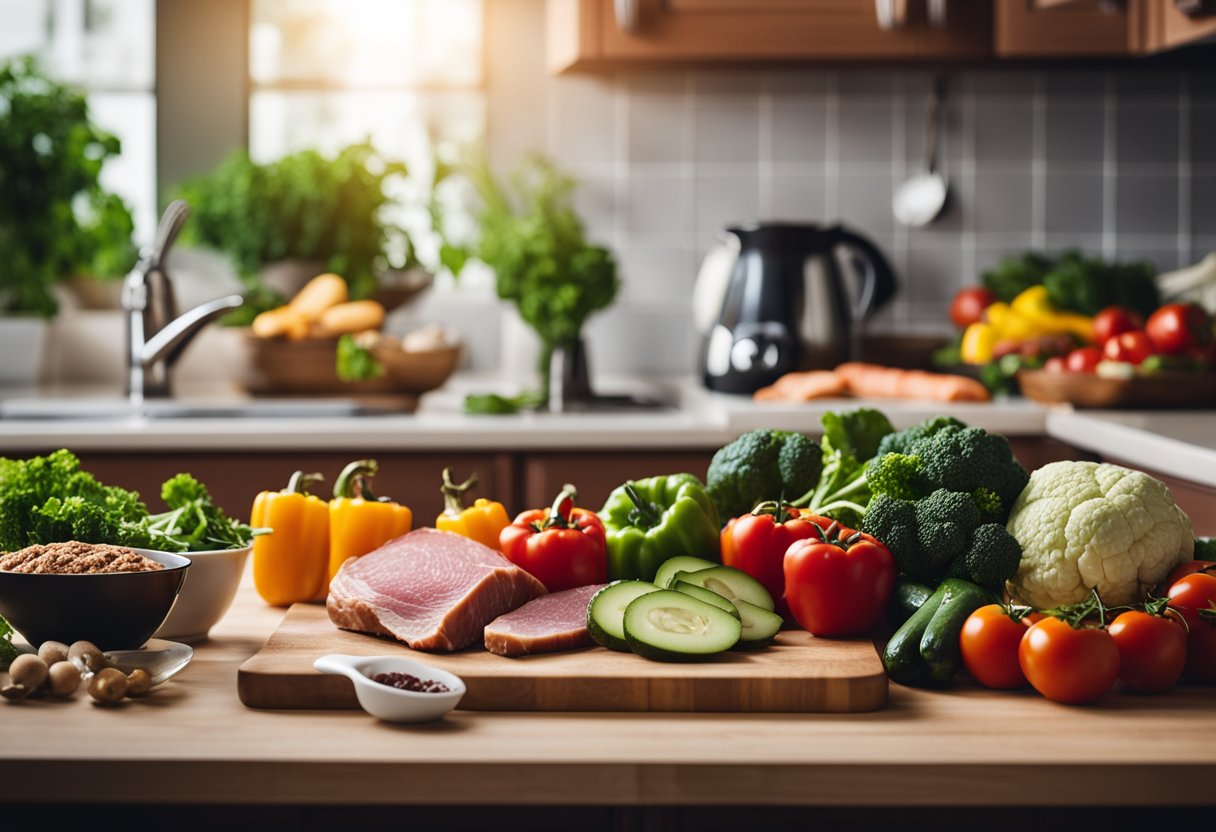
{"type": "Point", "coordinates": [121, 408]}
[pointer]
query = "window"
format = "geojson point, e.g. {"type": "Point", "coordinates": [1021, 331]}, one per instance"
{"type": "Point", "coordinates": [107, 47]}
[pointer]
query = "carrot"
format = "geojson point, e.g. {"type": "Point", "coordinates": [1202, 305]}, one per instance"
{"type": "Point", "coordinates": [877, 381]}
{"type": "Point", "coordinates": [803, 387]}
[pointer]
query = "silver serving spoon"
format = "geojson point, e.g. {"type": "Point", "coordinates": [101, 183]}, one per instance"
{"type": "Point", "coordinates": [921, 197]}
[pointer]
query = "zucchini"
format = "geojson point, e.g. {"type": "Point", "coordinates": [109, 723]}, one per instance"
{"type": "Point", "coordinates": [908, 597]}
{"type": "Point", "coordinates": [606, 612]}
{"type": "Point", "coordinates": [924, 652]}
{"type": "Point", "coordinates": [665, 576]}
{"type": "Point", "coordinates": [732, 584]}
{"type": "Point", "coordinates": [670, 626]}
{"type": "Point", "coordinates": [759, 625]}
{"type": "Point", "coordinates": [702, 594]}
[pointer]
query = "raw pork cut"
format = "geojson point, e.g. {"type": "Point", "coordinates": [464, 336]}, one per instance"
{"type": "Point", "coordinates": [433, 590]}
{"type": "Point", "coordinates": [550, 623]}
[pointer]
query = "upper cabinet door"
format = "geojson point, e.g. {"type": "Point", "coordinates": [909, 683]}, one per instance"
{"type": "Point", "coordinates": [1061, 29]}
{"type": "Point", "coordinates": [1167, 24]}
{"type": "Point", "coordinates": [603, 33]}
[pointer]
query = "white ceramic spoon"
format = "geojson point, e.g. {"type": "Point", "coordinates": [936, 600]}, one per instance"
{"type": "Point", "coordinates": [389, 703]}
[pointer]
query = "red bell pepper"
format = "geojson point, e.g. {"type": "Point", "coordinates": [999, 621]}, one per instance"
{"type": "Point", "coordinates": [838, 583]}
{"type": "Point", "coordinates": [562, 546]}
{"type": "Point", "coordinates": [757, 542]}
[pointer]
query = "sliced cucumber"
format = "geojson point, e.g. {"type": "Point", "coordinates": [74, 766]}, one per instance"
{"type": "Point", "coordinates": [674, 627]}
{"type": "Point", "coordinates": [732, 584]}
{"type": "Point", "coordinates": [663, 578]}
{"type": "Point", "coordinates": [606, 611]}
{"type": "Point", "coordinates": [702, 594]}
{"type": "Point", "coordinates": [759, 625]}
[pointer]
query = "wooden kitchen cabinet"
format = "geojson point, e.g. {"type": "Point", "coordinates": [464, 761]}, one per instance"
{"type": "Point", "coordinates": [1092, 28]}
{"type": "Point", "coordinates": [591, 34]}
{"type": "Point", "coordinates": [596, 474]}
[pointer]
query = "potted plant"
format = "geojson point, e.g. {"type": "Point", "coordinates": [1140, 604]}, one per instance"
{"type": "Point", "coordinates": [56, 220]}
{"type": "Point", "coordinates": [294, 218]}
{"type": "Point", "coordinates": [543, 263]}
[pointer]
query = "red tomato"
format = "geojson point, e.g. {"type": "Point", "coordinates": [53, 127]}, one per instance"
{"type": "Point", "coordinates": [1055, 364]}
{"type": "Point", "coordinates": [1177, 327]}
{"type": "Point", "coordinates": [1132, 347]}
{"type": "Point", "coordinates": [1115, 320]}
{"type": "Point", "coordinates": [1152, 651]}
{"type": "Point", "coordinates": [1067, 665]}
{"type": "Point", "coordinates": [757, 542]}
{"type": "Point", "coordinates": [839, 587]}
{"type": "Point", "coordinates": [1189, 568]}
{"type": "Point", "coordinates": [969, 304]}
{"type": "Point", "coordinates": [562, 547]}
{"type": "Point", "coordinates": [1189, 596]}
{"type": "Point", "coordinates": [989, 641]}
{"type": "Point", "coordinates": [1083, 359]}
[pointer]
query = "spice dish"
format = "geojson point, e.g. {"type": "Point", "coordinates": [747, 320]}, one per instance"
{"type": "Point", "coordinates": [393, 704]}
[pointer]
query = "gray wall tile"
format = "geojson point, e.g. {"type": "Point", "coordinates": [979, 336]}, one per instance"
{"type": "Point", "coordinates": [937, 273]}
{"type": "Point", "coordinates": [951, 138]}
{"type": "Point", "coordinates": [1203, 133]}
{"type": "Point", "coordinates": [658, 202]}
{"type": "Point", "coordinates": [865, 200]}
{"type": "Point", "coordinates": [800, 130]}
{"type": "Point", "coordinates": [866, 131]}
{"type": "Point", "coordinates": [584, 122]}
{"type": "Point", "coordinates": [1146, 203]}
{"type": "Point", "coordinates": [1165, 258]}
{"type": "Point", "coordinates": [1074, 203]}
{"type": "Point", "coordinates": [726, 130]}
{"type": "Point", "coordinates": [1004, 130]}
{"type": "Point", "coordinates": [1146, 134]}
{"type": "Point", "coordinates": [1159, 85]}
{"type": "Point", "coordinates": [655, 268]}
{"type": "Point", "coordinates": [1012, 82]}
{"type": "Point", "coordinates": [793, 83]}
{"type": "Point", "coordinates": [1083, 83]}
{"type": "Point", "coordinates": [1203, 205]}
{"type": "Point", "coordinates": [658, 131]}
{"type": "Point", "coordinates": [1075, 134]}
{"type": "Point", "coordinates": [798, 196]}
{"type": "Point", "coordinates": [1003, 202]}
{"type": "Point", "coordinates": [726, 199]}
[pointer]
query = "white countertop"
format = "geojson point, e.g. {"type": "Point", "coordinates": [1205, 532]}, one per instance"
{"type": "Point", "coordinates": [1181, 443]}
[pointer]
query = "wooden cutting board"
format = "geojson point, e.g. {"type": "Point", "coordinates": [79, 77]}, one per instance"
{"type": "Point", "coordinates": [799, 673]}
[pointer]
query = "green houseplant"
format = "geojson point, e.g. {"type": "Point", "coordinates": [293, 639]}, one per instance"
{"type": "Point", "coordinates": [56, 220]}
{"type": "Point", "coordinates": [304, 206]}
{"type": "Point", "coordinates": [535, 242]}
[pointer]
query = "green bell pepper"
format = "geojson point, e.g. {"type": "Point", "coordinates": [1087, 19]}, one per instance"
{"type": "Point", "coordinates": [648, 521]}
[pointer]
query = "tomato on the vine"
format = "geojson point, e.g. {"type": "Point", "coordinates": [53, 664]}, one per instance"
{"type": "Point", "coordinates": [1177, 327]}
{"type": "Point", "coordinates": [989, 642]}
{"type": "Point", "coordinates": [1132, 347]}
{"type": "Point", "coordinates": [1194, 596]}
{"type": "Point", "coordinates": [1115, 320]}
{"type": "Point", "coordinates": [1152, 650]}
{"type": "Point", "coordinates": [1072, 666]}
{"type": "Point", "coordinates": [1083, 359]}
{"type": "Point", "coordinates": [1189, 568]}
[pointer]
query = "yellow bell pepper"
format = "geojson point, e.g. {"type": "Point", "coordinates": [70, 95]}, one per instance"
{"type": "Point", "coordinates": [483, 521]}
{"type": "Point", "coordinates": [1034, 305]}
{"type": "Point", "coordinates": [1009, 324]}
{"type": "Point", "coordinates": [978, 341]}
{"type": "Point", "coordinates": [290, 563]}
{"type": "Point", "coordinates": [358, 521]}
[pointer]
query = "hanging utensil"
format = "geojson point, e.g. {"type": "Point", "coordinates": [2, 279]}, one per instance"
{"type": "Point", "coordinates": [921, 197]}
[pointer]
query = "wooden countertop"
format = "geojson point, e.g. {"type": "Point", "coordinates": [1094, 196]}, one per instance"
{"type": "Point", "coordinates": [193, 742]}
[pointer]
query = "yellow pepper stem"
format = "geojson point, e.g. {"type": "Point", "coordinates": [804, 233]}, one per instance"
{"type": "Point", "coordinates": [453, 494]}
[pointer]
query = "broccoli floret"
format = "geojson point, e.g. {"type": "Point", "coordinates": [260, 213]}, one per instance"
{"type": "Point", "coordinates": [945, 521]}
{"type": "Point", "coordinates": [901, 442]}
{"type": "Point", "coordinates": [893, 522]}
{"type": "Point", "coordinates": [762, 465]}
{"type": "Point", "coordinates": [898, 475]}
{"type": "Point", "coordinates": [991, 559]}
{"type": "Point", "coordinates": [968, 459]}
{"type": "Point", "coordinates": [989, 504]}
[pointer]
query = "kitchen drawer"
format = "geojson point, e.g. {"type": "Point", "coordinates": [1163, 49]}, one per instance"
{"type": "Point", "coordinates": [234, 479]}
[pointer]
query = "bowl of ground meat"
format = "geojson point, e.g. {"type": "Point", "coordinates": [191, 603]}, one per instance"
{"type": "Point", "coordinates": [112, 596]}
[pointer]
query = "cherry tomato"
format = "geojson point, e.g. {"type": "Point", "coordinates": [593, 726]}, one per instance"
{"type": "Point", "coordinates": [989, 642]}
{"type": "Point", "coordinates": [969, 304]}
{"type": "Point", "coordinates": [1083, 359]}
{"type": "Point", "coordinates": [1132, 347]}
{"type": "Point", "coordinates": [1066, 665]}
{"type": "Point", "coordinates": [1177, 327]}
{"type": "Point", "coordinates": [1115, 320]}
{"type": "Point", "coordinates": [1055, 364]}
{"type": "Point", "coordinates": [1189, 596]}
{"type": "Point", "coordinates": [1152, 651]}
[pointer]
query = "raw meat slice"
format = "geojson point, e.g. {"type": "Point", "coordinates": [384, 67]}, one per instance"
{"type": "Point", "coordinates": [544, 625]}
{"type": "Point", "coordinates": [433, 590]}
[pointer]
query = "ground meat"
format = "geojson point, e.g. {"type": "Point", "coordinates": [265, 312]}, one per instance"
{"type": "Point", "coordinates": [406, 681]}
{"type": "Point", "coordinates": [76, 558]}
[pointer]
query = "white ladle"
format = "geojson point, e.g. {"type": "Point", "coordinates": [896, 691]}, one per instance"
{"type": "Point", "coordinates": [921, 197]}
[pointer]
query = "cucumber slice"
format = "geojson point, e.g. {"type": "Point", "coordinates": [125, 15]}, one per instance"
{"type": "Point", "coordinates": [673, 627]}
{"type": "Point", "coordinates": [664, 577]}
{"type": "Point", "coordinates": [732, 584]}
{"type": "Point", "coordinates": [702, 594]}
{"type": "Point", "coordinates": [759, 625]}
{"type": "Point", "coordinates": [606, 611]}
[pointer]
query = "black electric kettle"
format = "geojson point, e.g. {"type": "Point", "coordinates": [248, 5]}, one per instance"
{"type": "Point", "coordinates": [785, 306]}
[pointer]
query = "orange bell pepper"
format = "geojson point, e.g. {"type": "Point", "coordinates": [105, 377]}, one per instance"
{"type": "Point", "coordinates": [483, 521]}
{"type": "Point", "coordinates": [359, 521]}
{"type": "Point", "coordinates": [290, 563]}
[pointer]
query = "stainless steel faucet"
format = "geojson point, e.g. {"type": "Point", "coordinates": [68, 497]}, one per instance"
{"type": "Point", "coordinates": [156, 334]}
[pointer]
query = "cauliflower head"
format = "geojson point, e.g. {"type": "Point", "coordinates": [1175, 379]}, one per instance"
{"type": "Point", "coordinates": [1085, 525]}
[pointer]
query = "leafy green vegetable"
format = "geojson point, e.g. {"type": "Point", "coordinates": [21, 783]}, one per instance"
{"type": "Point", "coordinates": [857, 432]}
{"type": "Point", "coordinates": [193, 523]}
{"type": "Point", "coordinates": [1014, 275]}
{"type": "Point", "coordinates": [535, 242]}
{"type": "Point", "coordinates": [1077, 283]}
{"type": "Point", "coordinates": [56, 219]}
{"type": "Point", "coordinates": [8, 651]}
{"type": "Point", "coordinates": [483, 404]}
{"type": "Point", "coordinates": [355, 363]}
{"type": "Point", "coordinates": [850, 439]}
{"type": "Point", "coordinates": [762, 465]}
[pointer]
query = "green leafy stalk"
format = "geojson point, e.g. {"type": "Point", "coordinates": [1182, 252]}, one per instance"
{"type": "Point", "coordinates": [355, 363]}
